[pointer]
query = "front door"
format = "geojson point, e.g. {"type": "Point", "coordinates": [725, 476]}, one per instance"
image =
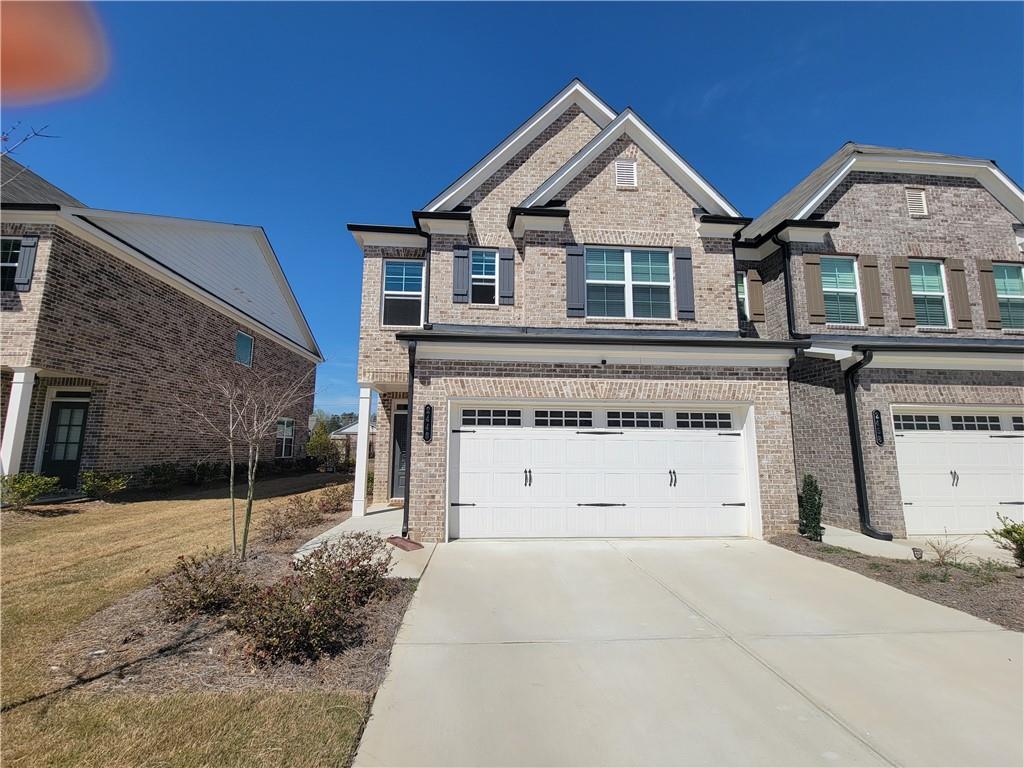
{"type": "Point", "coordinates": [399, 450]}
{"type": "Point", "coordinates": [62, 451]}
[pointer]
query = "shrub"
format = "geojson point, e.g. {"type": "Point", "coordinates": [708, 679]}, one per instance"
{"type": "Point", "coordinates": [810, 509]}
{"type": "Point", "coordinates": [16, 491]}
{"type": "Point", "coordinates": [160, 477]}
{"type": "Point", "coordinates": [334, 499]}
{"type": "Point", "coordinates": [277, 524]}
{"type": "Point", "coordinates": [321, 448]}
{"type": "Point", "coordinates": [1009, 536]}
{"type": "Point", "coordinates": [300, 512]}
{"type": "Point", "coordinates": [103, 485]}
{"type": "Point", "coordinates": [208, 584]}
{"type": "Point", "coordinates": [360, 560]}
{"type": "Point", "coordinates": [201, 473]}
{"type": "Point", "coordinates": [949, 552]}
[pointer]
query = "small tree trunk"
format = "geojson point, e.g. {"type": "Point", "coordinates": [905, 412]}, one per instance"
{"type": "Point", "coordinates": [254, 457]}
{"type": "Point", "coordinates": [231, 494]}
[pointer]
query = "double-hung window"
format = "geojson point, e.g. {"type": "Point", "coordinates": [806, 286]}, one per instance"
{"type": "Point", "coordinates": [284, 443]}
{"type": "Point", "coordinates": [484, 285]}
{"type": "Point", "coordinates": [243, 348]}
{"type": "Point", "coordinates": [928, 287]}
{"type": "Point", "coordinates": [628, 282]}
{"type": "Point", "coordinates": [1010, 292]}
{"type": "Point", "coordinates": [741, 297]}
{"type": "Point", "coordinates": [841, 289]}
{"type": "Point", "coordinates": [10, 250]}
{"type": "Point", "coordinates": [403, 293]}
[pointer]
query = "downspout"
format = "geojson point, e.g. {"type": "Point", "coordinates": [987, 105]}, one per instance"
{"type": "Point", "coordinates": [408, 441]}
{"type": "Point", "coordinates": [787, 282]}
{"type": "Point", "coordinates": [859, 481]}
{"type": "Point", "coordinates": [426, 284]}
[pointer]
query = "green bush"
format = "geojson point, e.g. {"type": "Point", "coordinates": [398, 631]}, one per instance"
{"type": "Point", "coordinates": [322, 449]}
{"type": "Point", "coordinates": [103, 485]}
{"type": "Point", "coordinates": [1009, 536]}
{"type": "Point", "coordinates": [207, 584]}
{"type": "Point", "coordinates": [16, 491]}
{"type": "Point", "coordinates": [810, 509]}
{"type": "Point", "coordinates": [161, 477]}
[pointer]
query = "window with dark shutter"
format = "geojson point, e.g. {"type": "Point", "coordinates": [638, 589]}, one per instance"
{"type": "Point", "coordinates": [10, 249]}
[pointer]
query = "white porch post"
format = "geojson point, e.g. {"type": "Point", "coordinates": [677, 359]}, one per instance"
{"type": "Point", "coordinates": [16, 423]}
{"type": "Point", "coordinates": [362, 453]}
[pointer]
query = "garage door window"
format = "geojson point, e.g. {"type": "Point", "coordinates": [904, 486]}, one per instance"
{"type": "Point", "coordinates": [1018, 423]}
{"type": "Point", "coordinates": [975, 423]}
{"type": "Point", "coordinates": [563, 419]}
{"type": "Point", "coordinates": [635, 419]}
{"type": "Point", "coordinates": [912, 421]}
{"type": "Point", "coordinates": [692, 420]}
{"type": "Point", "coordinates": [491, 417]}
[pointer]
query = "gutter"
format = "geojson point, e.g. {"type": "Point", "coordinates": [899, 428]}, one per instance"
{"type": "Point", "coordinates": [527, 338]}
{"type": "Point", "coordinates": [859, 480]}
{"type": "Point", "coordinates": [408, 442]}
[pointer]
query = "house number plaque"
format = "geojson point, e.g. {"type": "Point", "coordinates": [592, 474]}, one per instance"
{"type": "Point", "coordinates": [428, 423]}
{"type": "Point", "coordinates": [876, 420]}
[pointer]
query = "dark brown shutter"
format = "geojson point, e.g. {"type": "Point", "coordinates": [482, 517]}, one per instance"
{"type": "Point", "coordinates": [460, 274]}
{"type": "Point", "coordinates": [812, 288]}
{"type": "Point", "coordinates": [506, 275]}
{"type": "Point", "coordinates": [904, 297]}
{"type": "Point", "coordinates": [871, 289]}
{"type": "Point", "coordinates": [755, 296]}
{"type": "Point", "coordinates": [685, 307]}
{"type": "Point", "coordinates": [26, 263]}
{"type": "Point", "coordinates": [989, 300]}
{"type": "Point", "coordinates": [575, 282]}
{"type": "Point", "coordinates": [957, 284]}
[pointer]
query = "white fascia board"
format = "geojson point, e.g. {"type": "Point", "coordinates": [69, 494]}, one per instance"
{"type": "Point", "coordinates": [390, 239]}
{"type": "Point", "coordinates": [613, 354]}
{"type": "Point", "coordinates": [825, 352]}
{"type": "Point", "coordinates": [628, 123]}
{"type": "Point", "coordinates": [524, 222]}
{"type": "Point", "coordinates": [940, 360]}
{"type": "Point", "coordinates": [804, 234]}
{"type": "Point", "coordinates": [159, 272]}
{"type": "Point", "coordinates": [713, 229]}
{"type": "Point", "coordinates": [458, 227]}
{"type": "Point", "coordinates": [574, 93]}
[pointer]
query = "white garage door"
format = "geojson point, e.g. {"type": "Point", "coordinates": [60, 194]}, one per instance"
{"type": "Point", "coordinates": [584, 472]}
{"type": "Point", "coordinates": [958, 469]}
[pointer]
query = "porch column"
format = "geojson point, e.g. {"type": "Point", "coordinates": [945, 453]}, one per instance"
{"type": "Point", "coordinates": [362, 454]}
{"type": "Point", "coordinates": [16, 423]}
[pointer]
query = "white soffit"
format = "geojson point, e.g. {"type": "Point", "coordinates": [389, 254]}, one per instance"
{"type": "Point", "coordinates": [576, 93]}
{"type": "Point", "coordinates": [717, 229]}
{"type": "Point", "coordinates": [942, 360]}
{"type": "Point", "coordinates": [669, 161]}
{"type": "Point", "coordinates": [525, 221]}
{"type": "Point", "coordinates": [458, 227]}
{"type": "Point", "coordinates": [389, 239]}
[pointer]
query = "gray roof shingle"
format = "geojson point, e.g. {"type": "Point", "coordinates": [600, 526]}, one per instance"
{"type": "Point", "coordinates": [19, 184]}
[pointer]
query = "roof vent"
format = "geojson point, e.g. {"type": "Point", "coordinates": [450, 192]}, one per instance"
{"type": "Point", "coordinates": [916, 204]}
{"type": "Point", "coordinates": [625, 174]}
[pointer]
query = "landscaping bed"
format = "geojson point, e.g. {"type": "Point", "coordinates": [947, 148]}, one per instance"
{"type": "Point", "coordinates": [986, 589]}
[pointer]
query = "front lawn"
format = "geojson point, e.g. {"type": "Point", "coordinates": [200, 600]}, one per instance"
{"type": "Point", "coordinates": [63, 564]}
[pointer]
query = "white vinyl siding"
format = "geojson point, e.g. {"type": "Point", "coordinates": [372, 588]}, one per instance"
{"type": "Point", "coordinates": [484, 280]}
{"type": "Point", "coordinates": [1009, 280]}
{"type": "Point", "coordinates": [403, 293]}
{"type": "Point", "coordinates": [928, 286]}
{"type": "Point", "coordinates": [841, 288]}
{"type": "Point", "coordinates": [628, 283]}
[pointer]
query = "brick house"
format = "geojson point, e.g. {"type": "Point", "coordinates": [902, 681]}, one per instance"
{"type": "Point", "coordinates": [109, 318]}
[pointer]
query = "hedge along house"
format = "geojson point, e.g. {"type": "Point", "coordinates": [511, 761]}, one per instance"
{"type": "Point", "coordinates": [557, 351]}
{"type": "Point", "coordinates": [902, 270]}
{"type": "Point", "coordinates": [110, 318]}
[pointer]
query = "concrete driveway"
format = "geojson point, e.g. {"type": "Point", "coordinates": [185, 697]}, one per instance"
{"type": "Point", "coordinates": [719, 652]}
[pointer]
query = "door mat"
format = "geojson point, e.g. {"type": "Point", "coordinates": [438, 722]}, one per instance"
{"type": "Point", "coordinates": [404, 544]}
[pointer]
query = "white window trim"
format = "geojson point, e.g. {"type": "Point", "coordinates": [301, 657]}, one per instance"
{"type": "Point", "coordinates": [484, 279]}
{"type": "Point", "coordinates": [290, 439]}
{"type": "Point", "coordinates": [944, 293]}
{"type": "Point", "coordinates": [400, 294]}
{"type": "Point", "coordinates": [13, 266]}
{"type": "Point", "coordinates": [628, 283]}
{"type": "Point", "coordinates": [1018, 296]}
{"type": "Point", "coordinates": [252, 348]}
{"type": "Point", "coordinates": [746, 296]}
{"type": "Point", "coordinates": [855, 290]}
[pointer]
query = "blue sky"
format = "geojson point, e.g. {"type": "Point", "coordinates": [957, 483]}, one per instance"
{"type": "Point", "coordinates": [303, 117]}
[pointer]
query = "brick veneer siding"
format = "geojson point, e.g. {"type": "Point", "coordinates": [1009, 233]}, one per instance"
{"type": "Point", "coordinates": [140, 344]}
{"type": "Point", "coordinates": [20, 310]}
{"type": "Point", "coordinates": [438, 381]}
{"type": "Point", "coordinates": [384, 443]}
{"type": "Point", "coordinates": [964, 221]}
{"type": "Point", "coordinates": [381, 358]}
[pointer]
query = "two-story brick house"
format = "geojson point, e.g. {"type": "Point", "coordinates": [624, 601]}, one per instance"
{"type": "Point", "coordinates": [110, 319]}
{"type": "Point", "coordinates": [904, 271]}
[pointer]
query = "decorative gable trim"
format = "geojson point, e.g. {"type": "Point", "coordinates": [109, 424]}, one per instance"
{"type": "Point", "coordinates": [628, 123]}
{"type": "Point", "coordinates": [575, 93]}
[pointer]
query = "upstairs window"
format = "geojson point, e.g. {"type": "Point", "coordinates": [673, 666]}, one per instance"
{"type": "Point", "coordinates": [403, 293]}
{"type": "Point", "coordinates": [1010, 292]}
{"type": "Point", "coordinates": [625, 174]}
{"type": "Point", "coordinates": [10, 249]}
{"type": "Point", "coordinates": [928, 286]}
{"type": "Point", "coordinates": [917, 205]}
{"type": "Point", "coordinates": [284, 444]}
{"type": "Point", "coordinates": [243, 349]}
{"type": "Point", "coordinates": [634, 283]}
{"type": "Point", "coordinates": [741, 297]}
{"type": "Point", "coordinates": [840, 287]}
{"type": "Point", "coordinates": [484, 284]}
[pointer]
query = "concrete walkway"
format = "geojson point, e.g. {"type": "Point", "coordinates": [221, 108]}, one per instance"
{"type": "Point", "coordinates": [976, 546]}
{"type": "Point", "coordinates": [686, 652]}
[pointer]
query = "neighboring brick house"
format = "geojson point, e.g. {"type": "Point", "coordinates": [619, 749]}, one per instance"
{"type": "Point", "coordinates": [561, 328]}
{"type": "Point", "coordinates": [110, 320]}
{"type": "Point", "coordinates": [903, 270]}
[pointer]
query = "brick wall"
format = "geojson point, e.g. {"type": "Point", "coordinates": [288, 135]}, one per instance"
{"type": "Point", "coordinates": [381, 358]}
{"type": "Point", "coordinates": [438, 381]}
{"type": "Point", "coordinates": [20, 310]}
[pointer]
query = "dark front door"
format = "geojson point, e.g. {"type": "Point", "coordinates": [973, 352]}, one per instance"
{"type": "Point", "coordinates": [400, 445]}
{"type": "Point", "coordinates": [62, 452]}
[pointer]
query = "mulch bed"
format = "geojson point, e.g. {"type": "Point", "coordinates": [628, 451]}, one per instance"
{"type": "Point", "coordinates": [130, 647]}
{"type": "Point", "coordinates": [993, 595]}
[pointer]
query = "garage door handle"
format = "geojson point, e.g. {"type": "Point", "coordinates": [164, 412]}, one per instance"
{"type": "Point", "coordinates": [735, 504]}
{"type": "Point", "coordinates": [601, 504]}
{"type": "Point", "coordinates": [598, 432]}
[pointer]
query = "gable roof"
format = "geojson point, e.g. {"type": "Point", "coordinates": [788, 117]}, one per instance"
{"type": "Point", "coordinates": [19, 184]}
{"type": "Point", "coordinates": [629, 123]}
{"type": "Point", "coordinates": [801, 201]}
{"type": "Point", "coordinates": [575, 93]}
{"type": "Point", "coordinates": [352, 429]}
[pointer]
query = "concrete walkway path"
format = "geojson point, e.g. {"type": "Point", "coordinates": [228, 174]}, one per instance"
{"type": "Point", "coordinates": [975, 547]}
{"type": "Point", "coordinates": [685, 652]}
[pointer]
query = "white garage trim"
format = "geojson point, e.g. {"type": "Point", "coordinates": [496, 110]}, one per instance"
{"type": "Point", "coordinates": [747, 523]}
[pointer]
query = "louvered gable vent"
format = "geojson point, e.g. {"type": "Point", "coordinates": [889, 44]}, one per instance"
{"type": "Point", "coordinates": [916, 204]}
{"type": "Point", "coordinates": [625, 173]}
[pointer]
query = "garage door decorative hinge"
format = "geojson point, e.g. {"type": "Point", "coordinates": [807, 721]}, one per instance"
{"type": "Point", "coordinates": [734, 504]}
{"type": "Point", "coordinates": [463, 430]}
{"type": "Point", "coordinates": [601, 504]}
{"type": "Point", "coordinates": [1008, 437]}
{"type": "Point", "coordinates": [462, 504]}
{"type": "Point", "coordinates": [730, 434]}
{"type": "Point", "coordinates": [598, 432]}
